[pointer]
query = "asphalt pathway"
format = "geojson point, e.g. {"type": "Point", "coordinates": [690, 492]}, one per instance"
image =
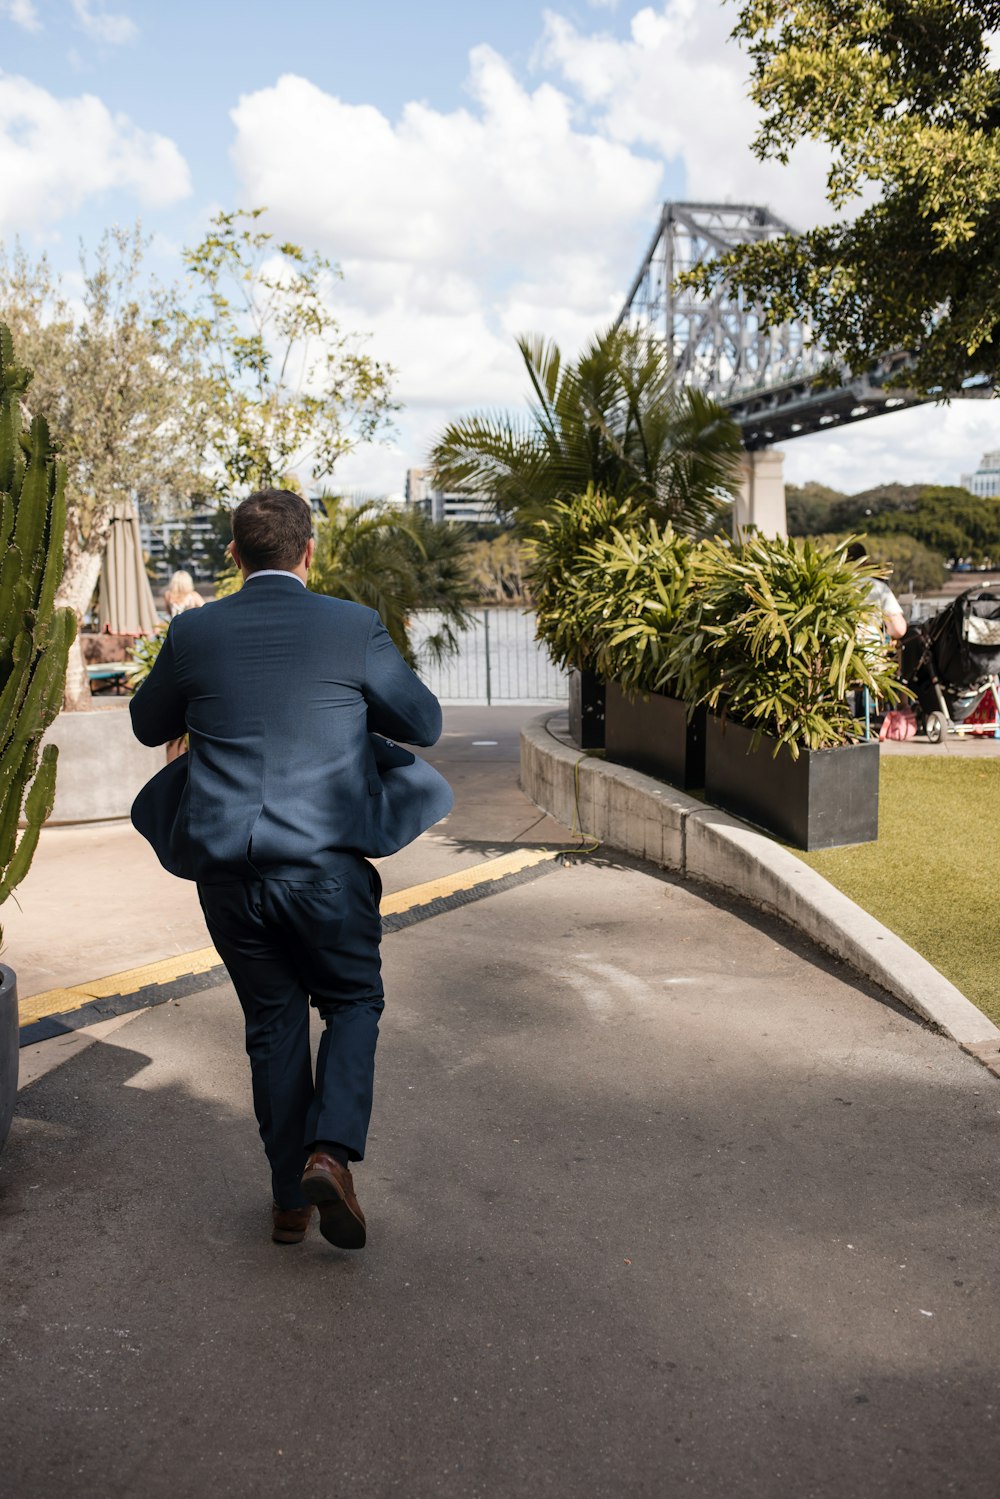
{"type": "Point", "coordinates": [661, 1202]}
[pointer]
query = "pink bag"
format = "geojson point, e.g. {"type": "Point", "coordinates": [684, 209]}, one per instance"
{"type": "Point", "coordinates": [899, 723]}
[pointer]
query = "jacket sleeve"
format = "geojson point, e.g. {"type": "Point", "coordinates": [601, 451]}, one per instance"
{"type": "Point", "coordinates": [158, 706]}
{"type": "Point", "coordinates": [399, 705]}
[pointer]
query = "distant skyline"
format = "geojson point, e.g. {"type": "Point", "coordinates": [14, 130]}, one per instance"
{"type": "Point", "coordinates": [477, 172]}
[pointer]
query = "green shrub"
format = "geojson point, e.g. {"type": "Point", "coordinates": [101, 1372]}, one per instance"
{"type": "Point", "coordinates": [561, 583]}
{"type": "Point", "coordinates": [142, 655]}
{"type": "Point", "coordinates": [775, 632]}
{"type": "Point", "coordinates": [901, 559]}
{"type": "Point", "coordinates": [771, 635]}
{"type": "Point", "coordinates": [635, 588]}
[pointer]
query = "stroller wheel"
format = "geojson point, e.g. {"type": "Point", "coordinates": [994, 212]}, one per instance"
{"type": "Point", "coordinates": [935, 728]}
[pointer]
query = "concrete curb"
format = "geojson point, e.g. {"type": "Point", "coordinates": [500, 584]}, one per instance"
{"type": "Point", "coordinates": [102, 766]}
{"type": "Point", "coordinates": [639, 815]}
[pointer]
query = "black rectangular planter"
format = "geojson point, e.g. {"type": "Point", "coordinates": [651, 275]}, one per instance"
{"type": "Point", "coordinates": [821, 800]}
{"type": "Point", "coordinates": [586, 709]}
{"type": "Point", "coordinates": [652, 733]}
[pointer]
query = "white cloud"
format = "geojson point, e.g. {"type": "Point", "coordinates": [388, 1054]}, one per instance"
{"type": "Point", "coordinates": [23, 13]}
{"type": "Point", "coordinates": [56, 153]}
{"type": "Point", "coordinates": [529, 209]}
{"type": "Point", "coordinates": [678, 85]}
{"type": "Point", "coordinates": [455, 230]}
{"type": "Point", "coordinates": [485, 187]}
{"type": "Point", "coordinates": [103, 25]}
{"type": "Point", "coordinates": [924, 444]}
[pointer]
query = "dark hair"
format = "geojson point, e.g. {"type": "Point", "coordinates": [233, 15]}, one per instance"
{"type": "Point", "coordinates": [271, 529]}
{"type": "Point", "coordinates": [856, 552]}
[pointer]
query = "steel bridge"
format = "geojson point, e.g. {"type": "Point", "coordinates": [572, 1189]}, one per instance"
{"type": "Point", "coordinates": [777, 383]}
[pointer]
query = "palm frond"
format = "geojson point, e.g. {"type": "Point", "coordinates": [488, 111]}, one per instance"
{"type": "Point", "coordinates": [614, 419]}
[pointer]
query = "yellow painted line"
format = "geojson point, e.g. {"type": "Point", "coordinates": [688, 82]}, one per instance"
{"type": "Point", "coordinates": [182, 965]}
{"type": "Point", "coordinates": [164, 971]}
{"type": "Point", "coordinates": [466, 879]}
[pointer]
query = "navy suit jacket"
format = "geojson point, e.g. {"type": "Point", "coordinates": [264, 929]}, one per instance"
{"type": "Point", "coordinates": [284, 695]}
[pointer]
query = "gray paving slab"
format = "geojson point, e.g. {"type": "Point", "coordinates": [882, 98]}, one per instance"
{"type": "Point", "coordinates": [96, 901]}
{"type": "Point", "coordinates": [660, 1202]}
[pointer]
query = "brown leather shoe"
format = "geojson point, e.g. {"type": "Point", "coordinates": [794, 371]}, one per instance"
{"type": "Point", "coordinates": [290, 1224]}
{"type": "Point", "coordinates": [331, 1187]}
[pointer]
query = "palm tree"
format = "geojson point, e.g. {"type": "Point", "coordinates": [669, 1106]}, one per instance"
{"type": "Point", "coordinates": [614, 419]}
{"type": "Point", "coordinates": [395, 564]}
{"type": "Point", "coordinates": [441, 554]}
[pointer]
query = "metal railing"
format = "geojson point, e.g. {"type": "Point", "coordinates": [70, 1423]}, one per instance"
{"type": "Point", "coordinates": [498, 661]}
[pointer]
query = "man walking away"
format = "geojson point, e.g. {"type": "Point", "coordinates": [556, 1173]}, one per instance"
{"type": "Point", "coordinates": [285, 788]}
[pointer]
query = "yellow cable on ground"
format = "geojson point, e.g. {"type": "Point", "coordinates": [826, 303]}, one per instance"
{"type": "Point", "coordinates": [164, 971]}
{"type": "Point", "coordinates": [64, 1000]}
{"type": "Point", "coordinates": [466, 879]}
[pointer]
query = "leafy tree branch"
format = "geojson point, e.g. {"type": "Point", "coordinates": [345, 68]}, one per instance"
{"type": "Point", "coordinates": [905, 94]}
{"type": "Point", "coordinates": [283, 387]}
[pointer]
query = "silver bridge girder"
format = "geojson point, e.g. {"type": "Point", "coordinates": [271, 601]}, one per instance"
{"type": "Point", "coordinates": [777, 383]}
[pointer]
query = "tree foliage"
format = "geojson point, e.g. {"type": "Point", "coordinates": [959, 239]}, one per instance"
{"type": "Point", "coordinates": [612, 419]}
{"type": "Point", "coordinates": [284, 388]}
{"type": "Point", "coordinates": [115, 377]}
{"type": "Point", "coordinates": [115, 380]}
{"type": "Point", "coordinates": [499, 566]}
{"type": "Point", "coordinates": [807, 507]}
{"type": "Point", "coordinates": [905, 94]}
{"type": "Point", "coordinates": [962, 526]}
{"type": "Point", "coordinates": [393, 563]}
{"type": "Point", "coordinates": [944, 519]}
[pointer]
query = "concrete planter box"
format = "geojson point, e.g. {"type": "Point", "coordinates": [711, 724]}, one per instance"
{"type": "Point", "coordinates": [586, 709]}
{"type": "Point", "coordinates": [823, 799]}
{"type": "Point", "coordinates": [652, 733]}
{"type": "Point", "coordinates": [9, 1043]}
{"type": "Point", "coordinates": [101, 765]}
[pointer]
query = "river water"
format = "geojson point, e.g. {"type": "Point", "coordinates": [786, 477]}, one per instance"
{"type": "Point", "coordinates": [499, 661]}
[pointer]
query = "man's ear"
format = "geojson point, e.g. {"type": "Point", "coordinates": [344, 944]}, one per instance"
{"type": "Point", "coordinates": [310, 552]}
{"type": "Point", "coordinates": [231, 549]}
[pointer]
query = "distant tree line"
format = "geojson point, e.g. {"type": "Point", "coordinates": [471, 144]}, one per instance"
{"type": "Point", "coordinates": [921, 529]}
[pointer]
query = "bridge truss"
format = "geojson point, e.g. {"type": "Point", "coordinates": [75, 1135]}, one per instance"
{"type": "Point", "coordinates": [777, 383]}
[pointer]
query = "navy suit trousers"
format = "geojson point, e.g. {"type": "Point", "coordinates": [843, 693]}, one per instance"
{"type": "Point", "coordinates": [288, 944]}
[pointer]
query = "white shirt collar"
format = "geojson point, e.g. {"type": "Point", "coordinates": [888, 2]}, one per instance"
{"type": "Point", "coordinates": [273, 572]}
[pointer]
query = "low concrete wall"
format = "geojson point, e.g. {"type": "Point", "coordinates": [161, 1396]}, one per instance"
{"type": "Point", "coordinates": [643, 816]}
{"type": "Point", "coordinates": [101, 765]}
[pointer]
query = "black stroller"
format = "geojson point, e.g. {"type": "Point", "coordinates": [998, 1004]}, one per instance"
{"type": "Point", "coordinates": [951, 662]}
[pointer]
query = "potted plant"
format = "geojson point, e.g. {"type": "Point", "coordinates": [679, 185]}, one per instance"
{"type": "Point", "coordinates": [564, 620]}
{"type": "Point", "coordinates": [638, 582]}
{"type": "Point", "coordinates": [773, 644]}
{"type": "Point", "coordinates": [35, 638]}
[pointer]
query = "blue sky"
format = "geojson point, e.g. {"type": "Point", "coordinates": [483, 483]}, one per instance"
{"type": "Point", "coordinates": [478, 171]}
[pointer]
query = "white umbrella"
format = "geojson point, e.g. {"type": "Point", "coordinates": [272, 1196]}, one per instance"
{"type": "Point", "coordinates": [125, 601]}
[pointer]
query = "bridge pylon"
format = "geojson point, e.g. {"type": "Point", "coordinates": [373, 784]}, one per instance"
{"type": "Point", "coordinates": [760, 504]}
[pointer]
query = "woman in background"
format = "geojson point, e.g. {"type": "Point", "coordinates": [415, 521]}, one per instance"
{"type": "Point", "coordinates": [180, 594]}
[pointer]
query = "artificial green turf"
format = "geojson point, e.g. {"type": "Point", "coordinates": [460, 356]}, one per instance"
{"type": "Point", "coordinates": [932, 877]}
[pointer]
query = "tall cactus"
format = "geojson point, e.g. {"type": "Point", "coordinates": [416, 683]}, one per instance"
{"type": "Point", "coordinates": [35, 636]}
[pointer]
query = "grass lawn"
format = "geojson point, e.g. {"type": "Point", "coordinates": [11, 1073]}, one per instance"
{"type": "Point", "coordinates": [933, 877]}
